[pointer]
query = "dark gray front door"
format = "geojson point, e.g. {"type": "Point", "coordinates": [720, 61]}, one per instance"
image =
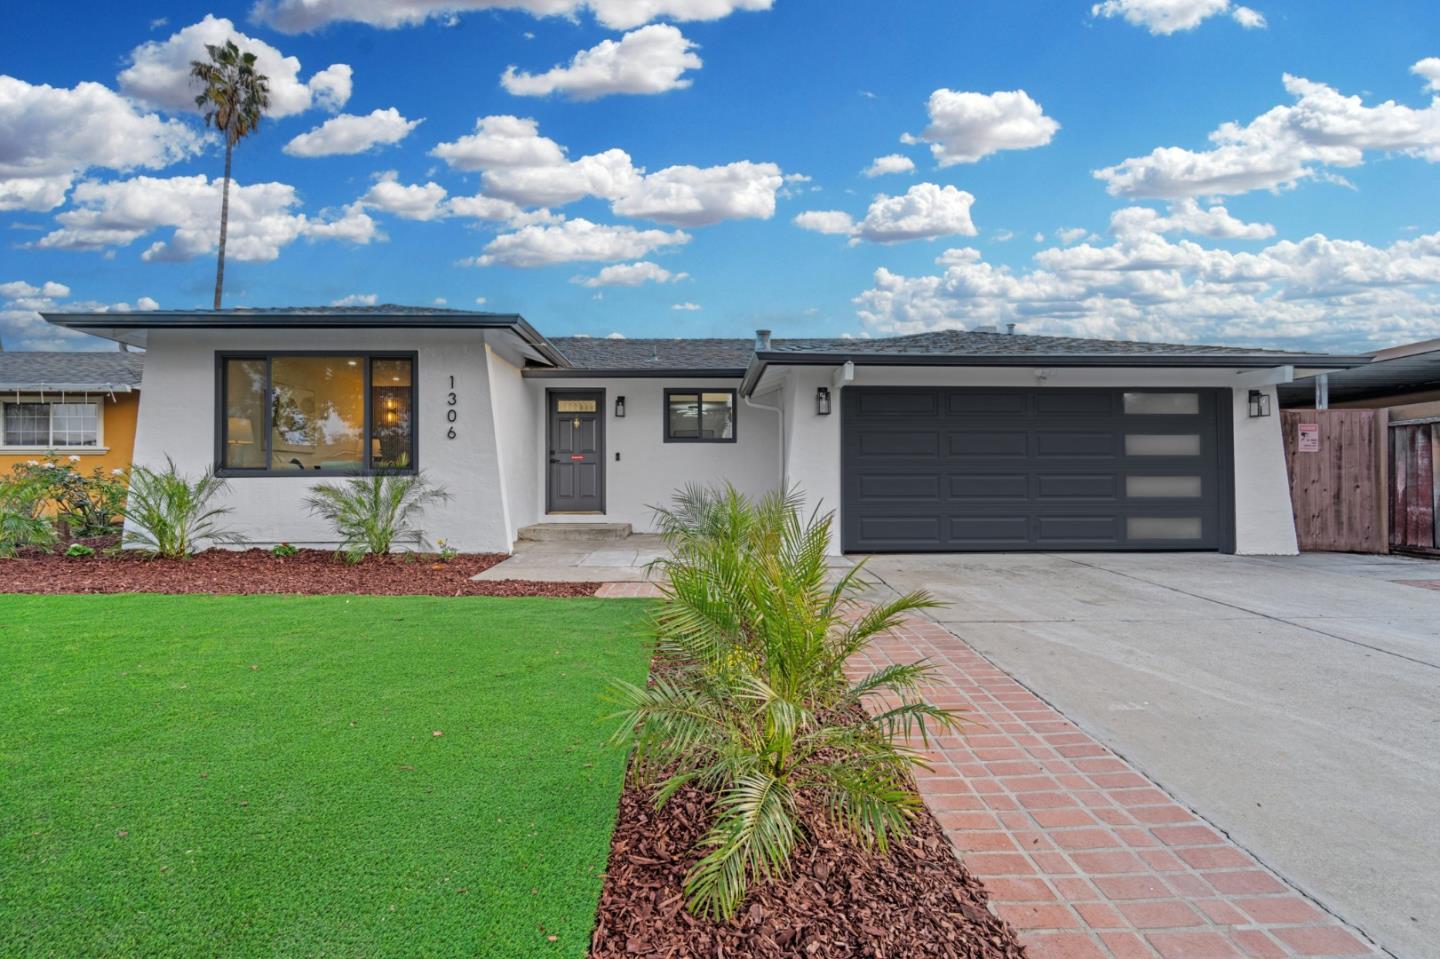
{"type": "Point", "coordinates": [575, 476]}
{"type": "Point", "coordinates": [1033, 469]}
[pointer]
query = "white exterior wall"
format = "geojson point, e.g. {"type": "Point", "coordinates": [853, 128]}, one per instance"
{"type": "Point", "coordinates": [650, 470]}
{"type": "Point", "coordinates": [177, 418]}
{"type": "Point", "coordinates": [516, 417]}
{"type": "Point", "coordinates": [1264, 524]}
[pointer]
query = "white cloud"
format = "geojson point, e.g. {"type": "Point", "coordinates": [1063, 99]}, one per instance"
{"type": "Point", "coordinates": [1317, 293]}
{"type": "Point", "coordinates": [51, 135]}
{"type": "Point", "coordinates": [890, 163]}
{"type": "Point", "coordinates": [615, 336]}
{"type": "Point", "coordinates": [480, 301]}
{"type": "Point", "coordinates": [571, 241]}
{"type": "Point", "coordinates": [349, 134]}
{"type": "Point", "coordinates": [1429, 70]}
{"type": "Point", "coordinates": [357, 299]}
{"type": "Point", "coordinates": [298, 16]}
{"type": "Point", "coordinates": [263, 218]}
{"type": "Point", "coordinates": [834, 222]}
{"type": "Point", "coordinates": [687, 307]}
{"type": "Point", "coordinates": [1249, 18]}
{"type": "Point", "coordinates": [1164, 17]}
{"type": "Point", "coordinates": [23, 328]}
{"type": "Point", "coordinates": [1282, 147]}
{"type": "Point", "coordinates": [441, 301]}
{"type": "Point", "coordinates": [353, 225]}
{"type": "Point", "coordinates": [1003, 236]}
{"type": "Point", "coordinates": [925, 211]}
{"type": "Point", "coordinates": [412, 202]}
{"type": "Point", "coordinates": [631, 274]}
{"type": "Point", "coordinates": [695, 196]}
{"type": "Point", "coordinates": [1186, 216]}
{"type": "Point", "coordinates": [652, 59]}
{"type": "Point", "coordinates": [519, 165]}
{"type": "Point", "coordinates": [966, 127]}
{"type": "Point", "coordinates": [159, 71]}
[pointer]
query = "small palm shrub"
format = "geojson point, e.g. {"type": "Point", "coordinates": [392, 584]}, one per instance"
{"type": "Point", "coordinates": [170, 515]}
{"type": "Point", "coordinates": [373, 513]}
{"type": "Point", "coordinates": [752, 703]}
{"type": "Point", "coordinates": [22, 513]}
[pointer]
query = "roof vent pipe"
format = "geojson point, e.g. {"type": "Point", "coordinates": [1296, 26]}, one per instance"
{"type": "Point", "coordinates": [1009, 329]}
{"type": "Point", "coordinates": [762, 340]}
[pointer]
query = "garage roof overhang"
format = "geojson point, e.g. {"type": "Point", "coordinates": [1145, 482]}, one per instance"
{"type": "Point", "coordinates": [134, 328]}
{"type": "Point", "coordinates": [1238, 361]}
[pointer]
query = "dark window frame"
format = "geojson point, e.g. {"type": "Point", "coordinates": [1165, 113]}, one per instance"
{"type": "Point", "coordinates": [369, 356]}
{"type": "Point", "coordinates": [699, 392]}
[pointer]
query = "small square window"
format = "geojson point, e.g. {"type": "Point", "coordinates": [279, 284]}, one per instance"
{"type": "Point", "coordinates": [699, 416]}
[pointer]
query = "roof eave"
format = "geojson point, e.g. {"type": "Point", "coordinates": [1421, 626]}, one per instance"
{"type": "Point", "coordinates": [93, 387]}
{"type": "Point", "coordinates": [649, 372]}
{"type": "Point", "coordinates": [764, 359]}
{"type": "Point", "coordinates": [107, 324]}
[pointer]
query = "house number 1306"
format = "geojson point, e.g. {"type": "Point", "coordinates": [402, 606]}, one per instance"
{"type": "Point", "coordinates": [451, 414]}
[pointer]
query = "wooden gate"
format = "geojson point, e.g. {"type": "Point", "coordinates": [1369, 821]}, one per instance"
{"type": "Point", "coordinates": [1337, 478]}
{"type": "Point", "coordinates": [1415, 485]}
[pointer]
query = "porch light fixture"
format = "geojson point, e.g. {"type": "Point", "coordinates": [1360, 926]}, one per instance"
{"type": "Point", "coordinates": [822, 401]}
{"type": "Point", "coordinates": [619, 407]}
{"type": "Point", "coordinates": [1259, 403]}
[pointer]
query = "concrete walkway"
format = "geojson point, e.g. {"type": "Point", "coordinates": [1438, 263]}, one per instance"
{"type": "Point", "coordinates": [620, 561]}
{"type": "Point", "coordinates": [1294, 703]}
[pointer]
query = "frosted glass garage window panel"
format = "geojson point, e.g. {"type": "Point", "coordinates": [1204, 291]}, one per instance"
{"type": "Point", "coordinates": [1175, 528]}
{"type": "Point", "coordinates": [317, 413]}
{"type": "Point", "coordinates": [700, 416]}
{"type": "Point", "coordinates": [1162, 404]}
{"type": "Point", "coordinates": [1162, 444]}
{"type": "Point", "coordinates": [1162, 487]}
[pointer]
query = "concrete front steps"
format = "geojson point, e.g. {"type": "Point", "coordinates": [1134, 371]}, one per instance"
{"type": "Point", "coordinates": [574, 533]}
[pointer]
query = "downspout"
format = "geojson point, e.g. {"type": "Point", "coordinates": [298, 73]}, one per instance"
{"type": "Point", "coordinates": [779, 432]}
{"type": "Point", "coordinates": [762, 342]}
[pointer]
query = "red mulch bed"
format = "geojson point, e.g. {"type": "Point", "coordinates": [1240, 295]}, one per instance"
{"type": "Point", "coordinates": [310, 572]}
{"type": "Point", "coordinates": [837, 901]}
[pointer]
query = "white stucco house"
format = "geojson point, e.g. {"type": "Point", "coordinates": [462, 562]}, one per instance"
{"type": "Point", "coordinates": [948, 441]}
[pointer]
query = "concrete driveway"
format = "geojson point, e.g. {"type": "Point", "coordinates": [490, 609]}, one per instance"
{"type": "Point", "coordinates": [1294, 702]}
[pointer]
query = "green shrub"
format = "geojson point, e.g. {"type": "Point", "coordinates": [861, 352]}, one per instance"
{"type": "Point", "coordinates": [752, 703]}
{"type": "Point", "coordinates": [171, 516]}
{"type": "Point", "coordinates": [373, 513]}
{"type": "Point", "coordinates": [79, 551]}
{"type": "Point", "coordinates": [22, 513]}
{"type": "Point", "coordinates": [447, 552]}
{"type": "Point", "coordinates": [283, 549]}
{"type": "Point", "coordinates": [89, 505]}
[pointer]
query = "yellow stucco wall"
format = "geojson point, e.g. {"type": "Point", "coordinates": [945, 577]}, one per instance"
{"type": "Point", "coordinates": [119, 439]}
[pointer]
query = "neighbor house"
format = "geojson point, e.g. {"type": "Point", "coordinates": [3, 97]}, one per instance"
{"type": "Point", "coordinates": [948, 441]}
{"type": "Point", "coordinates": [68, 404]}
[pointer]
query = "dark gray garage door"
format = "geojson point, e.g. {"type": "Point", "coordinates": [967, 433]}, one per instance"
{"type": "Point", "coordinates": [1034, 469]}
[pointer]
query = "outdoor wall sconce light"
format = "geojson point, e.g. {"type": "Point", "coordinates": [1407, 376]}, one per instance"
{"type": "Point", "coordinates": [619, 407]}
{"type": "Point", "coordinates": [822, 401]}
{"type": "Point", "coordinates": [1259, 403]}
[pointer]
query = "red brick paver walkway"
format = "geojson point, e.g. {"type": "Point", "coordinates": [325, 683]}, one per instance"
{"type": "Point", "coordinates": [1081, 852]}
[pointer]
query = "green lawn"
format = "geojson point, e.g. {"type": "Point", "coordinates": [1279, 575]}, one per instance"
{"type": "Point", "coordinates": [260, 775]}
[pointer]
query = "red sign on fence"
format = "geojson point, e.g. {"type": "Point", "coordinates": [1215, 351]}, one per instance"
{"type": "Point", "coordinates": [1309, 438]}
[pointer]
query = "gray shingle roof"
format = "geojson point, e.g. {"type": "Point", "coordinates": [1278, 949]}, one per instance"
{"type": "Point", "coordinates": [76, 371]}
{"type": "Point", "coordinates": [588, 353]}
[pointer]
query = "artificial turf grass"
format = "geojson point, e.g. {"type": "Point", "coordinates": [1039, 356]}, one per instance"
{"type": "Point", "coordinates": [188, 775]}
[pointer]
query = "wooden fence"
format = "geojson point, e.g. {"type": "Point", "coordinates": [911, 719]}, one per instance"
{"type": "Point", "coordinates": [1338, 478]}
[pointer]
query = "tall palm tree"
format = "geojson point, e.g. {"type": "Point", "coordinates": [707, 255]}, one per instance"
{"type": "Point", "coordinates": [236, 97]}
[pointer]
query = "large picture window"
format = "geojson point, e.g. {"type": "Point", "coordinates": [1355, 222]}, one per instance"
{"type": "Point", "coordinates": [40, 424]}
{"type": "Point", "coordinates": [305, 413]}
{"type": "Point", "coordinates": [699, 416]}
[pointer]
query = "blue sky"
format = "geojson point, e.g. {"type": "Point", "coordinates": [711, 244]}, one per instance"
{"type": "Point", "coordinates": [1312, 222]}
